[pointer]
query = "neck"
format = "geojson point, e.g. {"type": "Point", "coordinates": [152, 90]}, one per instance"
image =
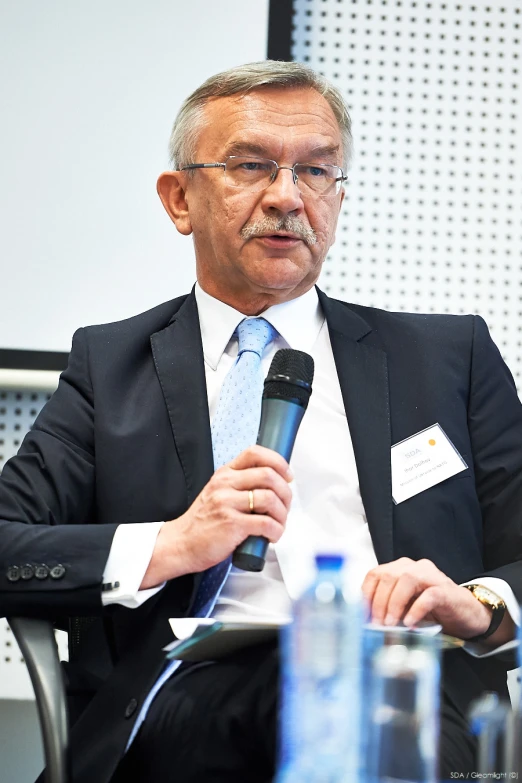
{"type": "Point", "coordinates": [252, 303]}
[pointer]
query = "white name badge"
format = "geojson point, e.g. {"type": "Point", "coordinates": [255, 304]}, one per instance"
{"type": "Point", "coordinates": [421, 461]}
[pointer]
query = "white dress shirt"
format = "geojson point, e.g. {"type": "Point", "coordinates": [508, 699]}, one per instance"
{"type": "Point", "coordinates": [327, 513]}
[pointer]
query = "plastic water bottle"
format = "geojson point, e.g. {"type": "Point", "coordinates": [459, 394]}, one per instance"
{"type": "Point", "coordinates": [320, 682]}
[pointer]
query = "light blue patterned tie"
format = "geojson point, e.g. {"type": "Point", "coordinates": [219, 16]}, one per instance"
{"type": "Point", "coordinates": [234, 427]}
{"type": "Point", "coordinates": [238, 411]}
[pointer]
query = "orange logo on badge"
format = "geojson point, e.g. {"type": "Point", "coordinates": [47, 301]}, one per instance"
{"type": "Point", "coordinates": [432, 442]}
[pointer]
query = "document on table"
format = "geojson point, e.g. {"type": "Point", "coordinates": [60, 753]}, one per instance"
{"type": "Point", "coordinates": [207, 639]}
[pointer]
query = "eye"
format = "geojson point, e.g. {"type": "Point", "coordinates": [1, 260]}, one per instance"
{"type": "Point", "coordinates": [253, 165]}
{"type": "Point", "coordinates": [316, 171]}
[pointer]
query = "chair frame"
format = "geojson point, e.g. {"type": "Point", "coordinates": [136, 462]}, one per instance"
{"type": "Point", "coordinates": [37, 643]}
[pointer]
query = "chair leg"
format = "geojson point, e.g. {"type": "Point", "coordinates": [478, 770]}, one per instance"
{"type": "Point", "coordinates": [38, 646]}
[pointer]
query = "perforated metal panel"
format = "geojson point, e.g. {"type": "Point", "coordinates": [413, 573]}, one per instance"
{"type": "Point", "coordinates": [18, 409]}
{"type": "Point", "coordinates": [432, 216]}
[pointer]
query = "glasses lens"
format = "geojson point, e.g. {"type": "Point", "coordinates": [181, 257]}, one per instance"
{"type": "Point", "coordinates": [321, 178]}
{"type": "Point", "coordinates": [250, 173]}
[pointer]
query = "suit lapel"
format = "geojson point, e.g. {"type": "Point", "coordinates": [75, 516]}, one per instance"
{"type": "Point", "coordinates": [363, 376]}
{"type": "Point", "coordinates": [362, 370]}
{"type": "Point", "coordinates": [178, 356]}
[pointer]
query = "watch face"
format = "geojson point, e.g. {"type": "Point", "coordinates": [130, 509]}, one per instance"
{"type": "Point", "coordinates": [487, 596]}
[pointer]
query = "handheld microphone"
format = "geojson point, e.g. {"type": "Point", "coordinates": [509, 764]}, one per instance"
{"type": "Point", "coordinates": [287, 390]}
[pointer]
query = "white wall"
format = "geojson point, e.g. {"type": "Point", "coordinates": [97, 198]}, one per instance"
{"type": "Point", "coordinates": [88, 93]}
{"type": "Point", "coordinates": [89, 90]}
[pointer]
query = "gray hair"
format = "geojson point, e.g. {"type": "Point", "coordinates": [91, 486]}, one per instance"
{"type": "Point", "coordinates": [190, 119]}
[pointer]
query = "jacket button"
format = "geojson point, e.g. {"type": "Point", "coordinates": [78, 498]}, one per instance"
{"type": "Point", "coordinates": [57, 571]}
{"type": "Point", "coordinates": [27, 571]}
{"type": "Point", "coordinates": [13, 573]}
{"type": "Point", "coordinates": [130, 709]}
{"type": "Point", "coordinates": [41, 571]}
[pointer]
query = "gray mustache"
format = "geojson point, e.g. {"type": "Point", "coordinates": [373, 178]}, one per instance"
{"type": "Point", "coordinates": [272, 225]}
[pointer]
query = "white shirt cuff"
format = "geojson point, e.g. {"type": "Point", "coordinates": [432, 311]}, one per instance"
{"type": "Point", "coordinates": [129, 558]}
{"type": "Point", "coordinates": [504, 591]}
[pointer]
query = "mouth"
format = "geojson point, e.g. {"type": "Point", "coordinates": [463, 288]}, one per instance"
{"type": "Point", "coordinates": [280, 239]}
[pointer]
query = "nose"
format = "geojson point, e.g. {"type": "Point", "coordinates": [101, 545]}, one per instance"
{"type": "Point", "coordinates": [282, 193]}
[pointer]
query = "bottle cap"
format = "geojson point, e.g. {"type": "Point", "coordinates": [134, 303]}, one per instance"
{"type": "Point", "coordinates": [329, 561]}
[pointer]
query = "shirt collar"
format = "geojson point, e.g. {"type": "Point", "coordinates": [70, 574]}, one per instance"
{"type": "Point", "coordinates": [298, 321]}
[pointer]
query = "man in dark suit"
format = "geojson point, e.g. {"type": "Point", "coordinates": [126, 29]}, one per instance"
{"type": "Point", "coordinates": [125, 443]}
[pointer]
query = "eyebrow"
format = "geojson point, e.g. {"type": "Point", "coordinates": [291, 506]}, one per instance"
{"type": "Point", "coordinates": [329, 151]}
{"type": "Point", "coordinates": [242, 147]}
{"type": "Point", "coordinates": [249, 148]}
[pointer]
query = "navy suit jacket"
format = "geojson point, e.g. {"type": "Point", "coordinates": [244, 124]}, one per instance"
{"type": "Point", "coordinates": [126, 438]}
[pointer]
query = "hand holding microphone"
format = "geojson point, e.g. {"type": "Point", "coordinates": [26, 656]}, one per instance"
{"type": "Point", "coordinates": [287, 390]}
{"type": "Point", "coordinates": [221, 516]}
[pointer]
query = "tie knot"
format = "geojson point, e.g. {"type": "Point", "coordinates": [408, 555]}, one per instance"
{"type": "Point", "coordinates": [254, 334]}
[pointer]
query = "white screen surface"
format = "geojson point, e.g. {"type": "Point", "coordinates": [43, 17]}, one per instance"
{"type": "Point", "coordinates": [89, 91]}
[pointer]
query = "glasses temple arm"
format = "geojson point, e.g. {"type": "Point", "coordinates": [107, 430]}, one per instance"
{"type": "Point", "coordinates": [202, 166]}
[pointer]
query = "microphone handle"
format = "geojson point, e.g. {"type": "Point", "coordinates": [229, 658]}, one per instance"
{"type": "Point", "coordinates": [280, 420]}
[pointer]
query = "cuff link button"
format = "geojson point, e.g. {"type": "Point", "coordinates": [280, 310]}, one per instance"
{"type": "Point", "coordinates": [27, 571]}
{"type": "Point", "coordinates": [108, 586]}
{"type": "Point", "coordinates": [41, 571]}
{"type": "Point", "coordinates": [13, 573]}
{"type": "Point", "coordinates": [57, 571]}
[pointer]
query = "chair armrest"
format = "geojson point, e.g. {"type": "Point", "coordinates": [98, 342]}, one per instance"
{"type": "Point", "coordinates": [38, 646]}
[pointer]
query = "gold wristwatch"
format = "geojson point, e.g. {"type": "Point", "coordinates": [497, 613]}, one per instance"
{"type": "Point", "coordinates": [493, 602]}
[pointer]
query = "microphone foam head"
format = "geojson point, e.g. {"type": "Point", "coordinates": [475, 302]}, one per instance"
{"type": "Point", "coordinates": [290, 376]}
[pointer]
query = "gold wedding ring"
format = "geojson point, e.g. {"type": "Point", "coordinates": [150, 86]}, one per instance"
{"type": "Point", "coordinates": [251, 500]}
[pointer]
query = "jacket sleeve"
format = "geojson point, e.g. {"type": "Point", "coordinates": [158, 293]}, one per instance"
{"type": "Point", "coordinates": [495, 425]}
{"type": "Point", "coordinates": [52, 549]}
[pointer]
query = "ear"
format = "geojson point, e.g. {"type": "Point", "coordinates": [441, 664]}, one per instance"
{"type": "Point", "coordinates": [343, 194]}
{"type": "Point", "coordinates": [171, 187]}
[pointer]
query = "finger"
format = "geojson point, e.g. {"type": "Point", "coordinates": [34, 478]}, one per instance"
{"type": "Point", "coordinates": [261, 478]}
{"type": "Point", "coordinates": [432, 599]}
{"type": "Point", "coordinates": [259, 456]}
{"type": "Point", "coordinates": [381, 597]}
{"type": "Point", "coordinates": [261, 525]}
{"type": "Point", "coordinates": [369, 585]}
{"type": "Point", "coordinates": [395, 568]}
{"type": "Point", "coordinates": [372, 580]}
{"type": "Point", "coordinates": [223, 500]}
{"type": "Point", "coordinates": [406, 590]}
{"type": "Point", "coordinates": [265, 502]}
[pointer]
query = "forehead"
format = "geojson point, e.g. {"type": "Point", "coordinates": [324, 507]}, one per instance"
{"type": "Point", "coordinates": [276, 121]}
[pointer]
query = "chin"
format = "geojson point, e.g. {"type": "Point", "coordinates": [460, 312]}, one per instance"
{"type": "Point", "coordinates": [279, 274]}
